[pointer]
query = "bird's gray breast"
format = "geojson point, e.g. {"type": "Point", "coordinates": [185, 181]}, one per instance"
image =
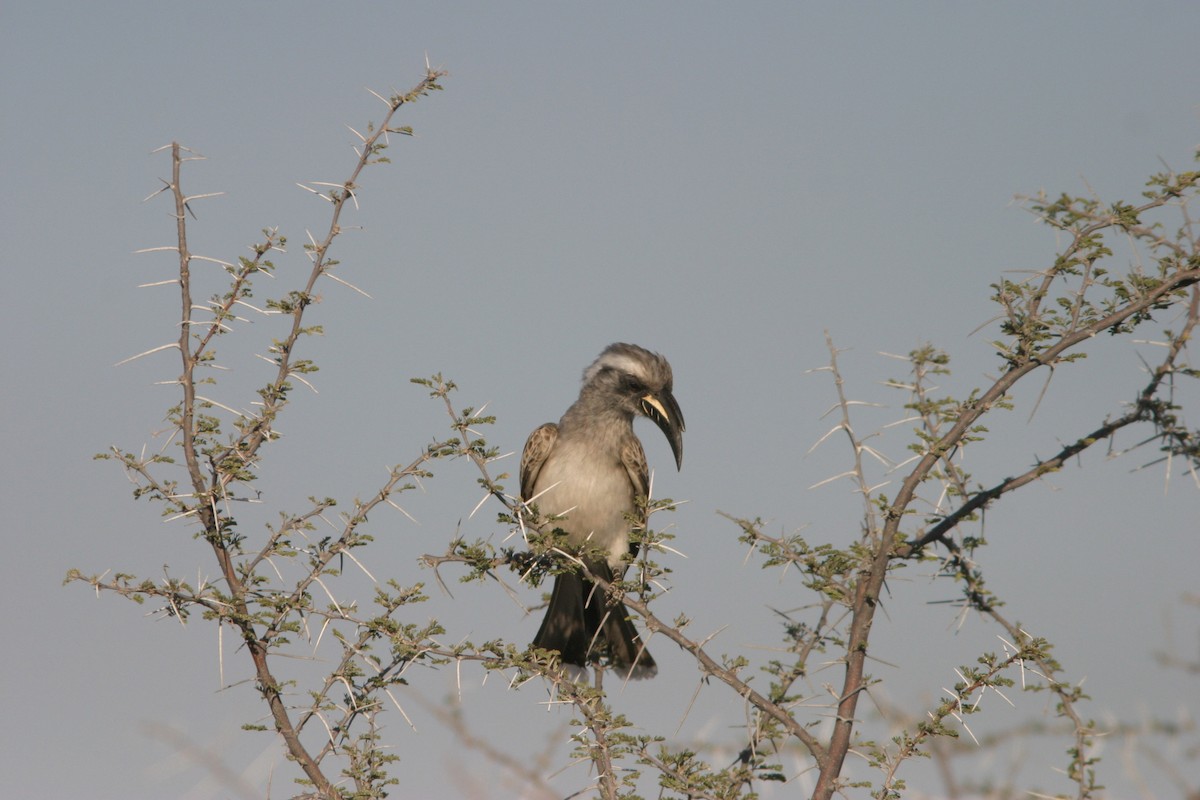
{"type": "Point", "coordinates": [591, 489]}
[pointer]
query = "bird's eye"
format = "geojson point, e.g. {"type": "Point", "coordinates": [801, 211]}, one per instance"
{"type": "Point", "coordinates": [632, 384]}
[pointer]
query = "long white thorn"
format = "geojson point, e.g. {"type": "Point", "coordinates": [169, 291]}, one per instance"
{"type": "Point", "coordinates": [148, 352]}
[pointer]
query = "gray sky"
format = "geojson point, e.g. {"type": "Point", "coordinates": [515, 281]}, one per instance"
{"type": "Point", "coordinates": [719, 183]}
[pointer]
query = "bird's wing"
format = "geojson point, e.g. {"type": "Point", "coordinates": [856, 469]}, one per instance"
{"type": "Point", "coordinates": [633, 457]}
{"type": "Point", "coordinates": [537, 448]}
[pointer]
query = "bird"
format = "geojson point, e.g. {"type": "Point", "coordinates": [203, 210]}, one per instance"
{"type": "Point", "coordinates": [590, 469]}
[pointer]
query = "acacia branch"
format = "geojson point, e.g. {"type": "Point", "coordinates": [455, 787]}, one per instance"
{"type": "Point", "coordinates": [204, 507]}
{"type": "Point", "coordinates": [274, 396]}
{"type": "Point", "coordinates": [346, 540]}
{"type": "Point", "coordinates": [1145, 407]}
{"type": "Point", "coordinates": [871, 576]}
{"type": "Point", "coordinates": [244, 449]}
{"type": "Point", "coordinates": [654, 624]}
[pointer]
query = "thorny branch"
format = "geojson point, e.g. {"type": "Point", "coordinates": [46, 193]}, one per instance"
{"type": "Point", "coordinates": [1148, 407]}
{"type": "Point", "coordinates": [211, 467]}
{"type": "Point", "coordinates": [1041, 340]}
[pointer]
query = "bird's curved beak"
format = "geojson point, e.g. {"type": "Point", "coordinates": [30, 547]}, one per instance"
{"type": "Point", "coordinates": [664, 410]}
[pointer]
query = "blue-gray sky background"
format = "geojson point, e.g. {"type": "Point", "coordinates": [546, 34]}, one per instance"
{"type": "Point", "coordinates": [721, 183]}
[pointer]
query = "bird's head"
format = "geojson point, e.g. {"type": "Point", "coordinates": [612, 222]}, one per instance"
{"type": "Point", "coordinates": [640, 382]}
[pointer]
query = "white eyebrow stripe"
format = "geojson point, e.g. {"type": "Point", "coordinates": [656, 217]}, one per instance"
{"type": "Point", "coordinates": [617, 361]}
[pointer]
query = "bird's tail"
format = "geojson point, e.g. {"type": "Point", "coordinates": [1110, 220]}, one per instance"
{"type": "Point", "coordinates": [583, 624]}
